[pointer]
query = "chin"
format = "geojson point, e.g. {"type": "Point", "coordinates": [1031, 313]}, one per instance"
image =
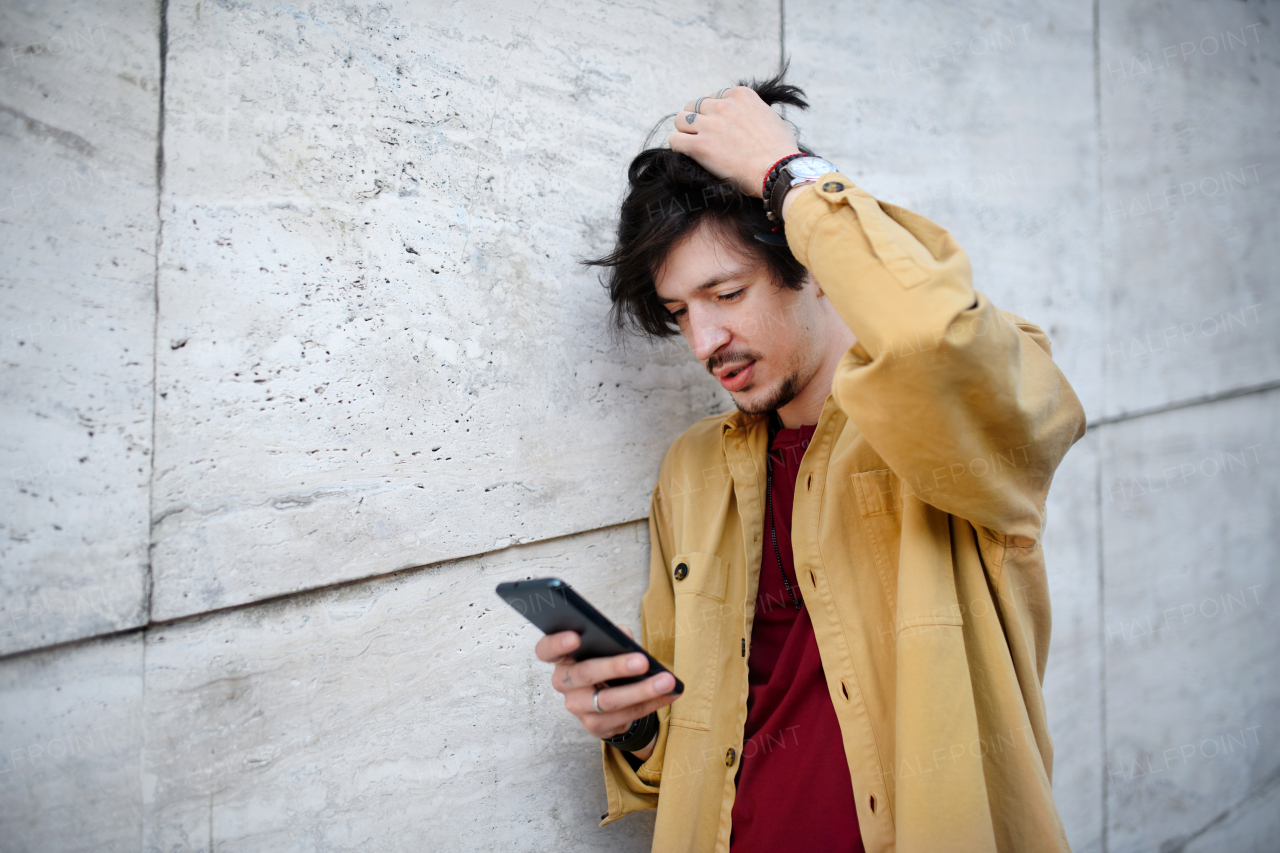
{"type": "Point", "coordinates": [757, 400]}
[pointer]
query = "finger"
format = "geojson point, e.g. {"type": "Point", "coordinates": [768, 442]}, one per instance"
{"type": "Point", "coordinates": [707, 106]}
{"type": "Point", "coordinates": [562, 676]}
{"type": "Point", "coordinates": [590, 672]}
{"type": "Point", "coordinates": [624, 696]}
{"type": "Point", "coordinates": [626, 631]}
{"type": "Point", "coordinates": [683, 143]}
{"type": "Point", "coordinates": [553, 647]}
{"type": "Point", "coordinates": [692, 144]}
{"type": "Point", "coordinates": [745, 93]}
{"type": "Point", "coordinates": [684, 125]}
{"type": "Point", "coordinates": [608, 725]}
{"type": "Point", "coordinates": [617, 722]}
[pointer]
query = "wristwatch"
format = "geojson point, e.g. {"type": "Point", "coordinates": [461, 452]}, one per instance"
{"type": "Point", "coordinates": [797, 171]}
{"type": "Point", "coordinates": [637, 736]}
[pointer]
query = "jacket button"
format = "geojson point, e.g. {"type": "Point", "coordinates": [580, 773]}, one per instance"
{"type": "Point", "coordinates": [682, 571]}
{"type": "Point", "coordinates": [833, 187]}
{"type": "Point", "coordinates": [729, 757]}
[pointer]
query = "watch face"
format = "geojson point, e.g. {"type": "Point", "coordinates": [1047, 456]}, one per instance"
{"type": "Point", "coordinates": [809, 168]}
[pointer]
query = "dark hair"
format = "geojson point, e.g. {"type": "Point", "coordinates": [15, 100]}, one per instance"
{"type": "Point", "coordinates": [668, 196]}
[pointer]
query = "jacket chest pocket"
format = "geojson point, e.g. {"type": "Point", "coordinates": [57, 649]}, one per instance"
{"type": "Point", "coordinates": [699, 581]}
{"type": "Point", "coordinates": [879, 495]}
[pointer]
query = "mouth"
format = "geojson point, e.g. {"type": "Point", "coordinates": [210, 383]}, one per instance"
{"type": "Point", "coordinates": [735, 377]}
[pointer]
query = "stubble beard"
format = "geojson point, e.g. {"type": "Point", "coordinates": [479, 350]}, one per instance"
{"type": "Point", "coordinates": [783, 394]}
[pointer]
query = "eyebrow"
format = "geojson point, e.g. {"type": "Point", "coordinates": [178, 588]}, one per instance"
{"type": "Point", "coordinates": [706, 285]}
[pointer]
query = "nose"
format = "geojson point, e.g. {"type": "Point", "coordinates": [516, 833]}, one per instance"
{"type": "Point", "coordinates": [704, 332]}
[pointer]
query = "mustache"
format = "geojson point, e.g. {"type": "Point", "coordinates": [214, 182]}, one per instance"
{"type": "Point", "coordinates": [730, 357]}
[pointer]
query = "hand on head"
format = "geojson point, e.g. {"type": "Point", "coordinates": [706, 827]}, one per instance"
{"type": "Point", "coordinates": [737, 137]}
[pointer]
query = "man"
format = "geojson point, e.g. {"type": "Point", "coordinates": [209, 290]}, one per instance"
{"type": "Point", "coordinates": [846, 572]}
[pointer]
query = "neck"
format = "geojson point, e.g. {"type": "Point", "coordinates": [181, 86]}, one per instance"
{"type": "Point", "coordinates": [806, 407]}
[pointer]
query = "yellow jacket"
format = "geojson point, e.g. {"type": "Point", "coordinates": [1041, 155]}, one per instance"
{"type": "Point", "coordinates": [918, 513]}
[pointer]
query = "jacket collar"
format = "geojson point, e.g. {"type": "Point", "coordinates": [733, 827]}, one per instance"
{"type": "Point", "coordinates": [737, 420]}
{"type": "Point", "coordinates": [740, 425]}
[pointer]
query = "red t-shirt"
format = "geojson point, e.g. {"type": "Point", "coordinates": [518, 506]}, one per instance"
{"type": "Point", "coordinates": [794, 790]}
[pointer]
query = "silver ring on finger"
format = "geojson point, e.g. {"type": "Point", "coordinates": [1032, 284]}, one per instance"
{"type": "Point", "coordinates": [720, 94]}
{"type": "Point", "coordinates": [595, 701]}
{"type": "Point", "coordinates": [698, 103]}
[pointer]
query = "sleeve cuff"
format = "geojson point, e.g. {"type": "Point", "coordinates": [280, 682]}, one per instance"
{"type": "Point", "coordinates": [811, 204]}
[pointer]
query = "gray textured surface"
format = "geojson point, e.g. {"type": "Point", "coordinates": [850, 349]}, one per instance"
{"type": "Point", "coordinates": [1073, 678]}
{"type": "Point", "coordinates": [78, 113]}
{"type": "Point", "coordinates": [1191, 218]}
{"type": "Point", "coordinates": [1247, 828]}
{"type": "Point", "coordinates": [1190, 619]}
{"type": "Point", "coordinates": [405, 713]}
{"type": "Point", "coordinates": [70, 746]}
{"type": "Point", "coordinates": [377, 349]}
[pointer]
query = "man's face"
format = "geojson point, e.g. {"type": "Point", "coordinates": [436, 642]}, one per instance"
{"type": "Point", "coordinates": [761, 341]}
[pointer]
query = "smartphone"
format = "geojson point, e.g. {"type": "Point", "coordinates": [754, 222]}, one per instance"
{"type": "Point", "coordinates": [554, 606]}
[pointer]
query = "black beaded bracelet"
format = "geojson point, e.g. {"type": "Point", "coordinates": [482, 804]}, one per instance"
{"type": "Point", "coordinates": [771, 178]}
{"type": "Point", "coordinates": [637, 736]}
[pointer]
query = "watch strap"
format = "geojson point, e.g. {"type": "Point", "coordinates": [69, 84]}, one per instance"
{"type": "Point", "coordinates": [771, 179]}
{"type": "Point", "coordinates": [781, 187]}
{"type": "Point", "coordinates": [637, 736]}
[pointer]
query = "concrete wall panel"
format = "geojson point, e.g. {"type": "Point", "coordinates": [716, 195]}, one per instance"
{"type": "Point", "coordinates": [70, 742]}
{"type": "Point", "coordinates": [982, 118]}
{"type": "Point", "coordinates": [1073, 679]}
{"type": "Point", "coordinates": [377, 349]}
{"type": "Point", "coordinates": [1250, 827]}
{"type": "Point", "coordinates": [1191, 224]}
{"type": "Point", "coordinates": [78, 114]}
{"type": "Point", "coordinates": [1190, 499]}
{"type": "Point", "coordinates": [403, 713]}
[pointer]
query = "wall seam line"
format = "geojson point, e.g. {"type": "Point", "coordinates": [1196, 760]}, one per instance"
{"type": "Point", "coordinates": [275, 599]}
{"type": "Point", "coordinates": [163, 45]}
{"type": "Point", "coordinates": [1267, 786]}
{"type": "Point", "coordinates": [1243, 391]}
{"type": "Point", "coordinates": [163, 35]}
{"type": "Point", "coordinates": [1103, 792]}
{"type": "Point", "coordinates": [782, 36]}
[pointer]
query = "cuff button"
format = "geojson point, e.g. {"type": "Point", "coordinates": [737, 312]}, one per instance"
{"type": "Point", "coordinates": [833, 187]}
{"type": "Point", "coordinates": [682, 571]}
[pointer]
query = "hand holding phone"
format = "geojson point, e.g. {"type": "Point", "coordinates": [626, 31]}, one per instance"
{"type": "Point", "coordinates": [590, 652]}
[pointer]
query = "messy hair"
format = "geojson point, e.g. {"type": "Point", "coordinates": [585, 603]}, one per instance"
{"type": "Point", "coordinates": [668, 196]}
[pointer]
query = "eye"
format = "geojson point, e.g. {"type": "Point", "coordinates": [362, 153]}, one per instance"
{"type": "Point", "coordinates": [729, 297]}
{"type": "Point", "coordinates": [679, 312]}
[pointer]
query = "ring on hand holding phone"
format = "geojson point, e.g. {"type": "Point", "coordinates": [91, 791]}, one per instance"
{"type": "Point", "coordinates": [594, 703]}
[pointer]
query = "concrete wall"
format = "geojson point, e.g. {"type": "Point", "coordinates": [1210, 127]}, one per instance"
{"type": "Point", "coordinates": [299, 364]}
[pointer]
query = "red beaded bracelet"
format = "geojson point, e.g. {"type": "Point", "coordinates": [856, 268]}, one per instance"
{"type": "Point", "coordinates": [772, 175]}
{"type": "Point", "coordinates": [774, 168]}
